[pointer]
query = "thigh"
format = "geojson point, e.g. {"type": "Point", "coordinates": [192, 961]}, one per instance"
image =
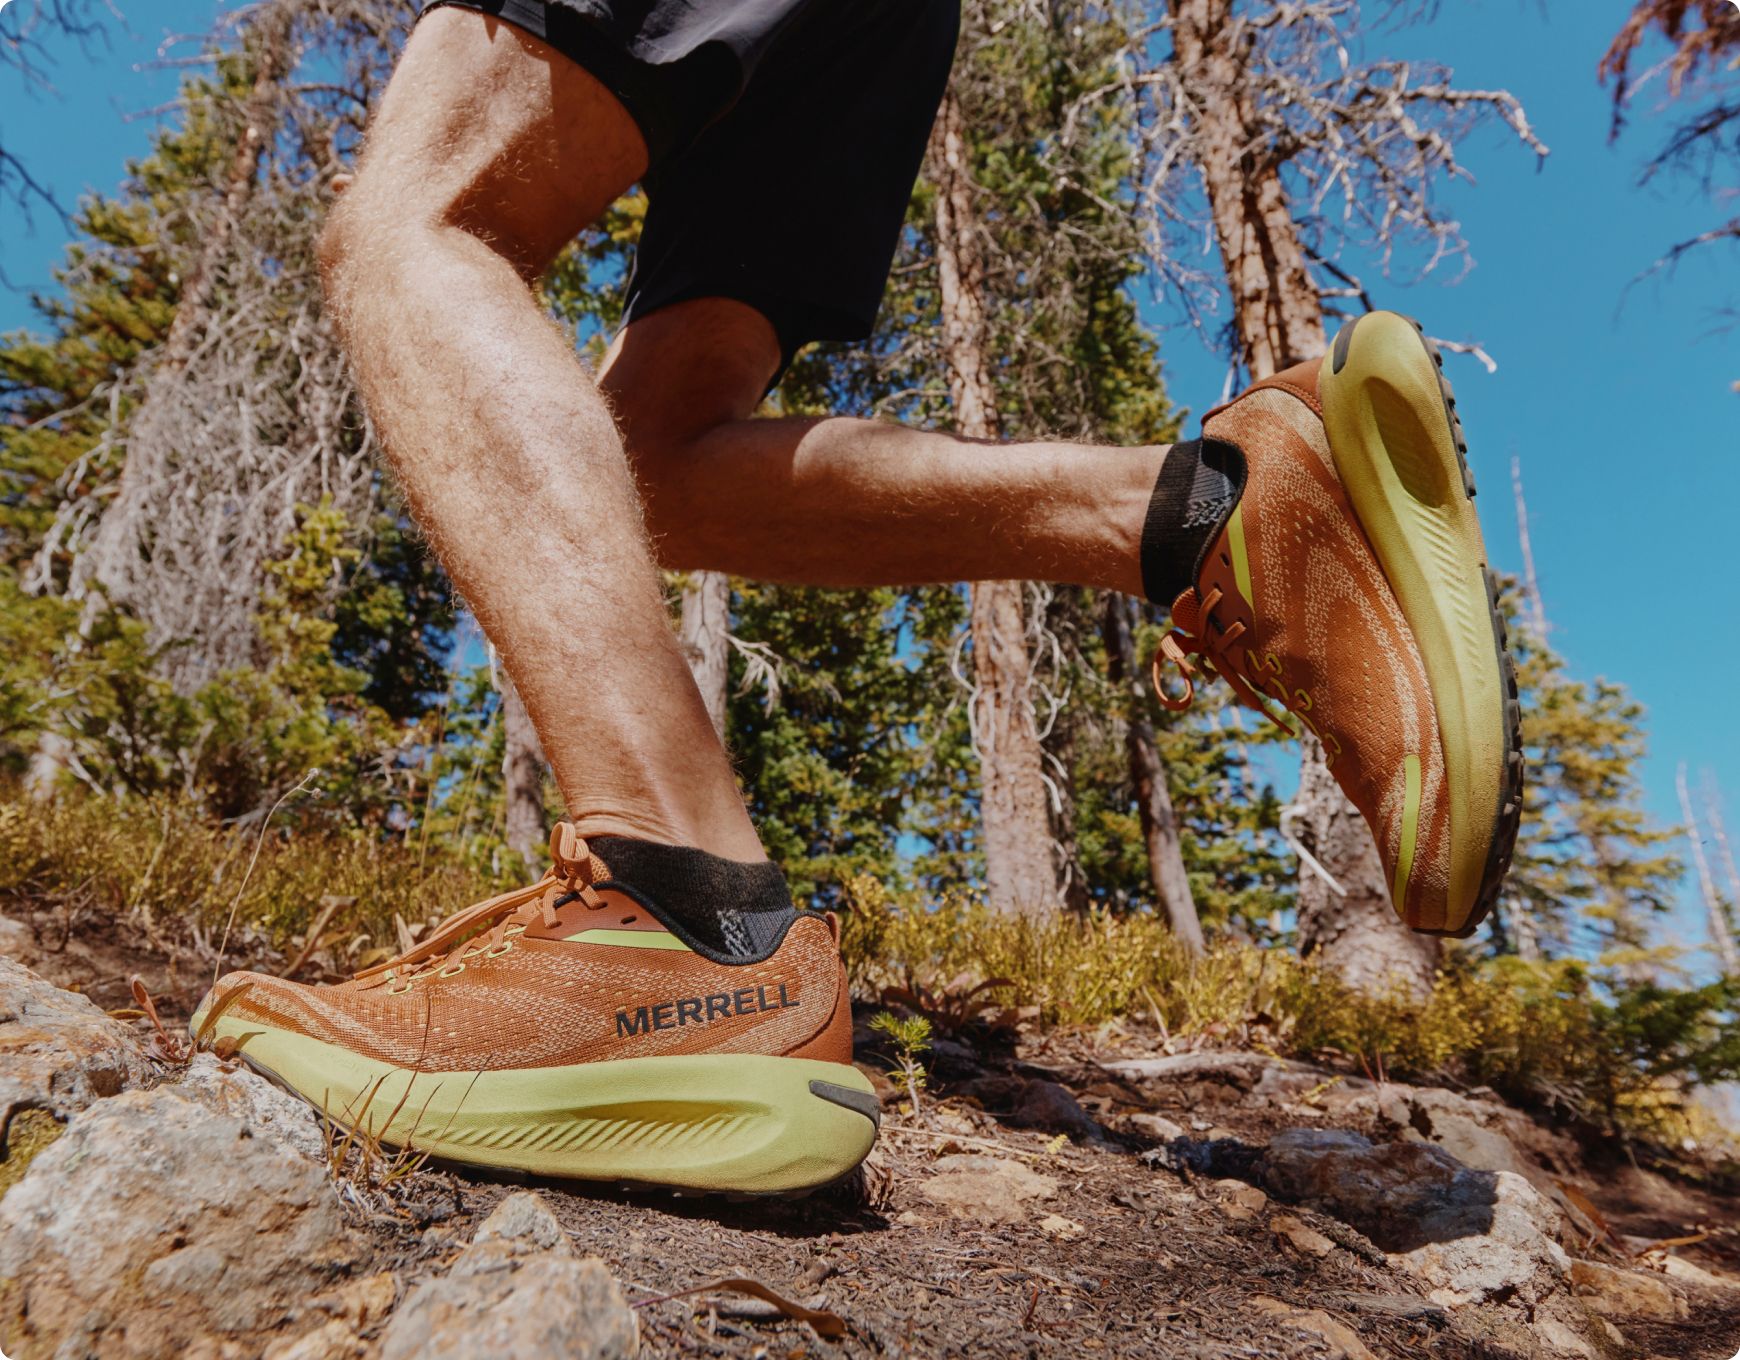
{"type": "Point", "coordinates": [486, 127]}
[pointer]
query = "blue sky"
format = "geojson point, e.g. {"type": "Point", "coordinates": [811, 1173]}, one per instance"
{"type": "Point", "coordinates": [1623, 416]}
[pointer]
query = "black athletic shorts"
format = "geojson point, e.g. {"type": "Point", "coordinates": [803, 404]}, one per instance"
{"type": "Point", "coordinates": [784, 139]}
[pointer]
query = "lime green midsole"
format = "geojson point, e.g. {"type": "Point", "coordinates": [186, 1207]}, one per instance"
{"type": "Point", "coordinates": [1395, 452]}
{"type": "Point", "coordinates": [719, 1121]}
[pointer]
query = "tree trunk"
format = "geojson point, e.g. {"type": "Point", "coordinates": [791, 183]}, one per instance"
{"type": "Point", "coordinates": [522, 776]}
{"type": "Point", "coordinates": [1148, 775]}
{"type": "Point", "coordinates": [1356, 935]}
{"type": "Point", "coordinates": [1275, 303]}
{"type": "Point", "coordinates": [1722, 943]}
{"type": "Point", "coordinates": [705, 632]}
{"type": "Point", "coordinates": [1014, 811]}
{"type": "Point", "coordinates": [48, 762]}
{"type": "Point", "coordinates": [1279, 317]}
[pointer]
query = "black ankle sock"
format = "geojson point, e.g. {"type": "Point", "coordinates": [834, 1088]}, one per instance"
{"type": "Point", "coordinates": [730, 909]}
{"type": "Point", "coordinates": [1200, 483]}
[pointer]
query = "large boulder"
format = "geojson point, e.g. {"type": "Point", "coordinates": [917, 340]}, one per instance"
{"type": "Point", "coordinates": [154, 1223]}
{"type": "Point", "coordinates": [516, 1293]}
{"type": "Point", "coordinates": [58, 1055]}
{"type": "Point", "coordinates": [1468, 1235]}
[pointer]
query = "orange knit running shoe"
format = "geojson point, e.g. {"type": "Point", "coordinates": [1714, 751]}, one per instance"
{"type": "Point", "coordinates": [574, 1028]}
{"type": "Point", "coordinates": [1349, 588]}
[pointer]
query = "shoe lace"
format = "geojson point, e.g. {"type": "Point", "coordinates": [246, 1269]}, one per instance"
{"type": "Point", "coordinates": [573, 871]}
{"type": "Point", "coordinates": [1199, 635]}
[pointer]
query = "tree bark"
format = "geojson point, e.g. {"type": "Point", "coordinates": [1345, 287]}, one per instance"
{"type": "Point", "coordinates": [522, 776]}
{"type": "Point", "coordinates": [1357, 936]}
{"type": "Point", "coordinates": [1148, 775]}
{"type": "Point", "coordinates": [705, 632]}
{"type": "Point", "coordinates": [1275, 302]}
{"type": "Point", "coordinates": [1014, 810]}
{"type": "Point", "coordinates": [1278, 313]}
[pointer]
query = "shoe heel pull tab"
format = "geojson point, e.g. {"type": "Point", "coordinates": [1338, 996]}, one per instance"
{"type": "Point", "coordinates": [834, 926]}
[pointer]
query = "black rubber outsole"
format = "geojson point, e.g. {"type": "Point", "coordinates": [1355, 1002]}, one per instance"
{"type": "Point", "coordinates": [1509, 819]}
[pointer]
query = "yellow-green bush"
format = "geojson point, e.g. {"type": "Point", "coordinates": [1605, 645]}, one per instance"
{"type": "Point", "coordinates": [164, 865]}
{"type": "Point", "coordinates": [1551, 1035]}
{"type": "Point", "coordinates": [1558, 1035]}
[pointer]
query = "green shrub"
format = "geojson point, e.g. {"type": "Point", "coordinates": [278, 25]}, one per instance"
{"type": "Point", "coordinates": [1560, 1035]}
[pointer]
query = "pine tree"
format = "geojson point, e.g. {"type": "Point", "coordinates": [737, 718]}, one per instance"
{"type": "Point", "coordinates": [1591, 871]}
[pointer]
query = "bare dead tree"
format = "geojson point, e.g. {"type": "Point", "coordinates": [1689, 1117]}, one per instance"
{"type": "Point", "coordinates": [1701, 73]}
{"type": "Point", "coordinates": [704, 629]}
{"type": "Point", "coordinates": [1531, 582]}
{"type": "Point", "coordinates": [523, 768]}
{"type": "Point", "coordinates": [27, 27]}
{"type": "Point", "coordinates": [1014, 816]}
{"type": "Point", "coordinates": [246, 412]}
{"type": "Point", "coordinates": [1148, 774]}
{"type": "Point", "coordinates": [1722, 943]}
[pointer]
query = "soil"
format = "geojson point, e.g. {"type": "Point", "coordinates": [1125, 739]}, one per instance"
{"type": "Point", "coordinates": [1126, 1258]}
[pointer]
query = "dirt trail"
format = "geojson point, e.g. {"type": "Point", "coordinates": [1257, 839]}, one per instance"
{"type": "Point", "coordinates": [1058, 1194]}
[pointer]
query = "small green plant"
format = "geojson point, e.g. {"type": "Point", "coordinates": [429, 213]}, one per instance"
{"type": "Point", "coordinates": [910, 1036]}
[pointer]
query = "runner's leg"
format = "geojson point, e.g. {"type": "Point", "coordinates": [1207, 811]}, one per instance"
{"type": "Point", "coordinates": [841, 502]}
{"type": "Point", "coordinates": [489, 153]}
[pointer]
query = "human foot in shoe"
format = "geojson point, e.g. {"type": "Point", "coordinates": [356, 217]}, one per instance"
{"type": "Point", "coordinates": [1348, 586]}
{"type": "Point", "coordinates": [645, 1014]}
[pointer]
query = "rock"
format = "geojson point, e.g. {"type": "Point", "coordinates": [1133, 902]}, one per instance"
{"type": "Point", "coordinates": [1473, 1132]}
{"type": "Point", "coordinates": [1301, 1236]}
{"type": "Point", "coordinates": [1047, 1105]}
{"type": "Point", "coordinates": [1469, 1235]}
{"type": "Point", "coordinates": [1676, 1268]}
{"type": "Point", "coordinates": [1342, 1341]}
{"type": "Point", "coordinates": [1238, 1201]}
{"type": "Point", "coordinates": [1624, 1293]}
{"type": "Point", "coordinates": [1480, 1250]}
{"type": "Point", "coordinates": [58, 1055]}
{"type": "Point", "coordinates": [263, 1107]}
{"type": "Point", "coordinates": [1243, 1070]}
{"type": "Point", "coordinates": [18, 942]}
{"type": "Point", "coordinates": [152, 1222]}
{"type": "Point", "coordinates": [525, 1223]}
{"type": "Point", "coordinates": [1563, 1340]}
{"type": "Point", "coordinates": [511, 1298]}
{"type": "Point", "coordinates": [334, 1340]}
{"type": "Point", "coordinates": [990, 1189]}
{"type": "Point", "coordinates": [1157, 1127]}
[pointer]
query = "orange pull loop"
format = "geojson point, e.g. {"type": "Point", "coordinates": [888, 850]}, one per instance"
{"type": "Point", "coordinates": [1172, 649]}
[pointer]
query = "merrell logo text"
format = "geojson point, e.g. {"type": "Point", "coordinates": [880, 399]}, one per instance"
{"type": "Point", "coordinates": [698, 1010]}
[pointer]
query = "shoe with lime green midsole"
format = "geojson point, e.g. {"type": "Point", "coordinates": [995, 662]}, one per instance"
{"type": "Point", "coordinates": [1400, 454]}
{"type": "Point", "coordinates": [734, 1122]}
